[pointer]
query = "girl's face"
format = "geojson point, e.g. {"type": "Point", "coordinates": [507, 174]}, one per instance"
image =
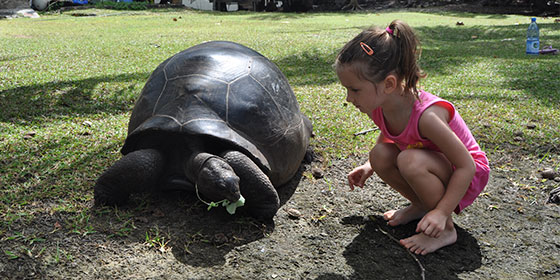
{"type": "Point", "coordinates": [365, 95]}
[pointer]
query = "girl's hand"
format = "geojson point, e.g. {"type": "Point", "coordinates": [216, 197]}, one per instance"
{"type": "Point", "coordinates": [433, 223]}
{"type": "Point", "coordinates": [359, 175]}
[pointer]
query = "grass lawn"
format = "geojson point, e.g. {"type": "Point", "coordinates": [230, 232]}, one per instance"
{"type": "Point", "coordinates": [68, 85]}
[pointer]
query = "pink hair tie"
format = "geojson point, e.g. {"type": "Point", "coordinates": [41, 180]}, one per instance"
{"type": "Point", "coordinates": [389, 30]}
{"type": "Point", "coordinates": [394, 32]}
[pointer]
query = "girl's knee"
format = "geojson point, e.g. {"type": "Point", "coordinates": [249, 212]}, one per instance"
{"type": "Point", "coordinates": [383, 156]}
{"type": "Point", "coordinates": [411, 162]}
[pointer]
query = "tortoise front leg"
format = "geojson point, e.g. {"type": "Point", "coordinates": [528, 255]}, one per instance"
{"type": "Point", "coordinates": [135, 172]}
{"type": "Point", "coordinates": [261, 198]}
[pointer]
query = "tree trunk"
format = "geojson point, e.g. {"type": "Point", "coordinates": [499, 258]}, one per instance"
{"type": "Point", "coordinates": [352, 5]}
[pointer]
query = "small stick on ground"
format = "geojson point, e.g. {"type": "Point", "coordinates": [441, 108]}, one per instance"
{"type": "Point", "coordinates": [423, 271]}
{"type": "Point", "coordinates": [365, 131]}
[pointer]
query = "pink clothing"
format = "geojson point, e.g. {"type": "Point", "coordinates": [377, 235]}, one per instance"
{"type": "Point", "coordinates": [410, 139]}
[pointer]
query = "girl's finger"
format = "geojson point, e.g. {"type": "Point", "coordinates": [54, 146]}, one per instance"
{"type": "Point", "coordinates": [434, 232]}
{"type": "Point", "coordinates": [351, 183]}
{"type": "Point", "coordinates": [428, 231]}
{"type": "Point", "coordinates": [420, 226]}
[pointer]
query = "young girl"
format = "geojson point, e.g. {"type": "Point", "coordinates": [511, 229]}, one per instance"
{"type": "Point", "coordinates": [425, 150]}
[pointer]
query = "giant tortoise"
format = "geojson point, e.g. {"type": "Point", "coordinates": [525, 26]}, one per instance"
{"type": "Point", "coordinates": [218, 119]}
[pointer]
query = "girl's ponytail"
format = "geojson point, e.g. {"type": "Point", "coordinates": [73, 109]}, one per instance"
{"type": "Point", "coordinates": [410, 51]}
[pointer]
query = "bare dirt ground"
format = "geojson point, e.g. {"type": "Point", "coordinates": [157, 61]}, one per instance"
{"type": "Point", "coordinates": [510, 232]}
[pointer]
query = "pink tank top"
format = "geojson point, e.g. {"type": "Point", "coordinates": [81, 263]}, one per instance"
{"type": "Point", "coordinates": [410, 139]}
{"type": "Point", "coordinates": [410, 136]}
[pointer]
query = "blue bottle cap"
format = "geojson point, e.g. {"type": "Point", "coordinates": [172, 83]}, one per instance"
{"type": "Point", "coordinates": [534, 19]}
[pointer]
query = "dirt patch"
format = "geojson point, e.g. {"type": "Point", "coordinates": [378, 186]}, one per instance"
{"type": "Point", "coordinates": [509, 232]}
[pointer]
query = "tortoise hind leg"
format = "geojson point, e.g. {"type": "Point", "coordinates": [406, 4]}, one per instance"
{"type": "Point", "coordinates": [261, 198]}
{"type": "Point", "coordinates": [135, 172]}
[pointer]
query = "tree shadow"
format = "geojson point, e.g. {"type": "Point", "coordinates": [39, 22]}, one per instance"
{"type": "Point", "coordinates": [310, 68]}
{"type": "Point", "coordinates": [70, 97]}
{"type": "Point", "coordinates": [176, 220]}
{"type": "Point", "coordinates": [11, 58]}
{"type": "Point", "coordinates": [374, 255]}
{"type": "Point", "coordinates": [447, 50]}
{"type": "Point", "coordinates": [197, 236]}
{"type": "Point", "coordinates": [478, 12]}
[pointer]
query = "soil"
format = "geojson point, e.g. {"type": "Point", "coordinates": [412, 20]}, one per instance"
{"type": "Point", "coordinates": [322, 231]}
{"type": "Point", "coordinates": [510, 232]}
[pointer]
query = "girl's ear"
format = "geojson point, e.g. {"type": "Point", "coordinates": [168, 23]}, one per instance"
{"type": "Point", "coordinates": [390, 83]}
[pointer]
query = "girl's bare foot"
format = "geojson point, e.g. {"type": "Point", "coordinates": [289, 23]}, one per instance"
{"type": "Point", "coordinates": [422, 244]}
{"type": "Point", "coordinates": [403, 216]}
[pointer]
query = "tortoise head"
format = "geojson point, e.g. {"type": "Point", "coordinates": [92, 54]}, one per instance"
{"type": "Point", "coordinates": [217, 180]}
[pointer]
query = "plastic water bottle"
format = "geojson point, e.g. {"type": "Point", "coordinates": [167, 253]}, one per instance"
{"type": "Point", "coordinates": [533, 37]}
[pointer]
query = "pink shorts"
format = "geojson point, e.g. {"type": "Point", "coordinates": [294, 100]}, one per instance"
{"type": "Point", "coordinates": [478, 182]}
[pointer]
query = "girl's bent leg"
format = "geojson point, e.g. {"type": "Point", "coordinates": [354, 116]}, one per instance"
{"type": "Point", "coordinates": [383, 160]}
{"type": "Point", "coordinates": [427, 173]}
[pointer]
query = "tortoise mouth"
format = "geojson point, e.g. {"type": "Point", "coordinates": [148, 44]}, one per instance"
{"type": "Point", "coordinates": [231, 188]}
{"type": "Point", "coordinates": [220, 189]}
{"type": "Point", "coordinates": [218, 181]}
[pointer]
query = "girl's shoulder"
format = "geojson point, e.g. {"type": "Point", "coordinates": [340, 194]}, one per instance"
{"type": "Point", "coordinates": [431, 102]}
{"type": "Point", "coordinates": [428, 97]}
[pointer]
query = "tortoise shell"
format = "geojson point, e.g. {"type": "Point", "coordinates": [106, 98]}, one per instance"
{"type": "Point", "coordinates": [231, 95]}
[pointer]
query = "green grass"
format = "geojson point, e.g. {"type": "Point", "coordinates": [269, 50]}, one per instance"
{"type": "Point", "coordinates": [69, 83]}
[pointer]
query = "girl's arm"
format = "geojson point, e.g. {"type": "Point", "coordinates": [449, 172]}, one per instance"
{"type": "Point", "coordinates": [434, 125]}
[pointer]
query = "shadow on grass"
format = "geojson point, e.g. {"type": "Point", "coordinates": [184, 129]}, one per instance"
{"type": "Point", "coordinates": [449, 50]}
{"type": "Point", "coordinates": [211, 235]}
{"type": "Point", "coordinates": [161, 221]}
{"type": "Point", "coordinates": [311, 68]}
{"type": "Point", "coordinates": [478, 12]}
{"type": "Point", "coordinates": [10, 58]}
{"type": "Point", "coordinates": [56, 98]}
{"type": "Point", "coordinates": [198, 237]}
{"type": "Point", "coordinates": [374, 255]}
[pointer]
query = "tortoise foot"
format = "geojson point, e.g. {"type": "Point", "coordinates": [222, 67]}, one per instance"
{"type": "Point", "coordinates": [135, 172]}
{"type": "Point", "coordinates": [107, 195]}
